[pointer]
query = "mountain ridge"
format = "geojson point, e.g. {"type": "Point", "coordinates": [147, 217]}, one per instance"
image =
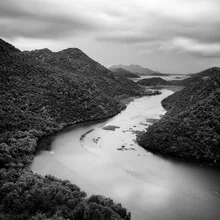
{"type": "Point", "coordinates": [137, 69]}
{"type": "Point", "coordinates": [191, 127]}
{"type": "Point", "coordinates": [153, 81]}
{"type": "Point", "coordinates": [210, 72]}
{"type": "Point", "coordinates": [5, 47]}
{"type": "Point", "coordinates": [77, 63]}
{"type": "Point", "coordinates": [124, 73]}
{"type": "Point", "coordinates": [37, 100]}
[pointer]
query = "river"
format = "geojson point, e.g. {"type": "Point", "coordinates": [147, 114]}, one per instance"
{"type": "Point", "coordinates": [103, 158]}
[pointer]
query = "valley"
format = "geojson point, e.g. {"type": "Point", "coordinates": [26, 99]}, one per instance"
{"type": "Point", "coordinates": [66, 120]}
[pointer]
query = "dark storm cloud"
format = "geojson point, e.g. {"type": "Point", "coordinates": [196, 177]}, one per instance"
{"type": "Point", "coordinates": [165, 28]}
{"type": "Point", "coordinates": [197, 21]}
{"type": "Point", "coordinates": [142, 27]}
{"type": "Point", "coordinates": [37, 28]}
{"type": "Point", "coordinates": [30, 19]}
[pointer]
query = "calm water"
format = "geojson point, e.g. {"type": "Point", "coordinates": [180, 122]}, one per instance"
{"type": "Point", "coordinates": [170, 77]}
{"type": "Point", "coordinates": [109, 162]}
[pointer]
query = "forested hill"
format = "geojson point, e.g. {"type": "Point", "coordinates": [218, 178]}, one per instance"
{"type": "Point", "coordinates": [38, 99]}
{"type": "Point", "coordinates": [200, 90]}
{"type": "Point", "coordinates": [191, 127]}
{"type": "Point", "coordinates": [153, 81]}
{"type": "Point", "coordinates": [78, 64]}
{"type": "Point", "coordinates": [211, 72]}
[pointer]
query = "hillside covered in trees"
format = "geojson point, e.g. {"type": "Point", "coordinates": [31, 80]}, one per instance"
{"type": "Point", "coordinates": [39, 97]}
{"type": "Point", "coordinates": [74, 62]}
{"type": "Point", "coordinates": [191, 127]}
{"type": "Point", "coordinates": [153, 81]}
{"type": "Point", "coordinates": [194, 78]}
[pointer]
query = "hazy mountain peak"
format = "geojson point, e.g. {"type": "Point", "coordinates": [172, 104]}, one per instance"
{"type": "Point", "coordinates": [119, 69]}
{"type": "Point", "coordinates": [124, 73]}
{"type": "Point", "coordinates": [134, 68]}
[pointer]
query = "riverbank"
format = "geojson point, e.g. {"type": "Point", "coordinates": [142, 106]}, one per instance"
{"type": "Point", "coordinates": [169, 87]}
{"type": "Point", "coordinates": [190, 128]}
{"type": "Point", "coordinates": [169, 155]}
{"type": "Point", "coordinates": [110, 162]}
{"type": "Point", "coordinates": [148, 92]}
{"type": "Point", "coordinates": [43, 143]}
{"type": "Point", "coordinates": [15, 157]}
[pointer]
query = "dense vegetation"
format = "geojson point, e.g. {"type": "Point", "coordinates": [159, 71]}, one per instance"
{"type": "Point", "coordinates": [79, 65]}
{"type": "Point", "coordinates": [124, 73]}
{"type": "Point", "coordinates": [191, 127]}
{"type": "Point", "coordinates": [27, 196]}
{"type": "Point", "coordinates": [198, 91]}
{"type": "Point", "coordinates": [38, 99]}
{"type": "Point", "coordinates": [153, 81]}
{"type": "Point", "coordinates": [214, 71]}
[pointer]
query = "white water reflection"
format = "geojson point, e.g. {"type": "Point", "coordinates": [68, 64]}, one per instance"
{"type": "Point", "coordinates": [169, 77]}
{"type": "Point", "coordinates": [109, 162]}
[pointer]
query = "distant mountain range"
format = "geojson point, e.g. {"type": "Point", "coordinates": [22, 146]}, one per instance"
{"type": "Point", "coordinates": [137, 69]}
{"type": "Point", "coordinates": [124, 73]}
{"type": "Point", "coordinates": [134, 69]}
{"type": "Point", "coordinates": [194, 78]}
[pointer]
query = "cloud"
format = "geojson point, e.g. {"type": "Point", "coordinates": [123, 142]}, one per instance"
{"type": "Point", "coordinates": [122, 21]}
{"type": "Point", "coordinates": [124, 38]}
{"type": "Point", "coordinates": [211, 50]}
{"type": "Point", "coordinates": [40, 19]}
{"type": "Point", "coordinates": [138, 27]}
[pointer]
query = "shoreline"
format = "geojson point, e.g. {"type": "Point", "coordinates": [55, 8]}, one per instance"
{"type": "Point", "coordinates": [69, 126]}
{"type": "Point", "coordinates": [44, 143]}
{"type": "Point", "coordinates": [173, 88]}
{"type": "Point", "coordinates": [183, 159]}
{"type": "Point", "coordinates": [72, 139]}
{"type": "Point", "coordinates": [47, 139]}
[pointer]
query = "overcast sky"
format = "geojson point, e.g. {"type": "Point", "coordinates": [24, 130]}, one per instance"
{"type": "Point", "coordinates": [166, 35]}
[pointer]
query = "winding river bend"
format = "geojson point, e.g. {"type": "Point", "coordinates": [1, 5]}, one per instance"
{"type": "Point", "coordinates": [103, 158]}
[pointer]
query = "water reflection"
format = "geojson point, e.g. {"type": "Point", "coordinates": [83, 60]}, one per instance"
{"type": "Point", "coordinates": [110, 162]}
{"type": "Point", "coordinates": [169, 77]}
